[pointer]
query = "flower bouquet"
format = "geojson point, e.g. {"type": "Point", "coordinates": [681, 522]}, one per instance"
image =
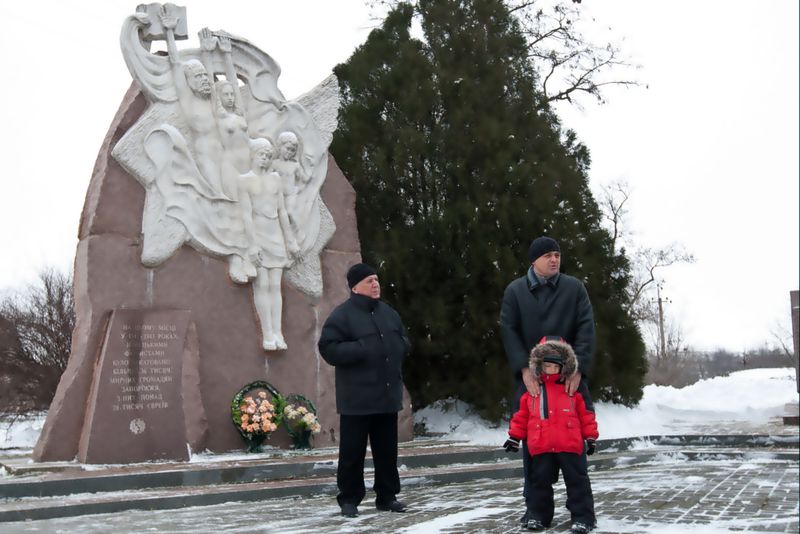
{"type": "Point", "coordinates": [253, 411]}
{"type": "Point", "coordinates": [300, 418]}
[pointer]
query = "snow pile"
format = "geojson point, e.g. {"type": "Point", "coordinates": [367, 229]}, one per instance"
{"type": "Point", "coordinates": [744, 401]}
{"type": "Point", "coordinates": [22, 432]}
{"type": "Point", "coordinates": [455, 420]}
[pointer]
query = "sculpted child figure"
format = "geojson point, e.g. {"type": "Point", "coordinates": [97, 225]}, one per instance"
{"type": "Point", "coordinates": [273, 244]}
{"type": "Point", "coordinates": [292, 175]}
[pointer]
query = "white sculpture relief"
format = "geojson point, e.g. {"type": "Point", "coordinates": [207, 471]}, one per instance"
{"type": "Point", "coordinates": [292, 174]}
{"type": "Point", "coordinates": [213, 179]}
{"type": "Point", "coordinates": [271, 236]}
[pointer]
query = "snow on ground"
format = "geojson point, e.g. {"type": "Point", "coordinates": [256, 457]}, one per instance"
{"type": "Point", "coordinates": [745, 399]}
{"type": "Point", "coordinates": [717, 405]}
{"type": "Point", "coordinates": [21, 433]}
{"type": "Point", "coordinates": [661, 497]}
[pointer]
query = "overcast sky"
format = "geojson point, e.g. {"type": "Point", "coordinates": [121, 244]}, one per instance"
{"type": "Point", "coordinates": [710, 148]}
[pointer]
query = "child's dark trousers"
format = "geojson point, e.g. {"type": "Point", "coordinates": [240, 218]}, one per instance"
{"type": "Point", "coordinates": [543, 473]}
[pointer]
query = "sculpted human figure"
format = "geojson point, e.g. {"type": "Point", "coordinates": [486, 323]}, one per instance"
{"type": "Point", "coordinates": [235, 162]}
{"type": "Point", "coordinates": [274, 245]}
{"type": "Point", "coordinates": [228, 113]}
{"type": "Point", "coordinates": [292, 175]}
{"type": "Point", "coordinates": [194, 90]}
{"type": "Point", "coordinates": [233, 134]}
{"type": "Point", "coordinates": [235, 141]}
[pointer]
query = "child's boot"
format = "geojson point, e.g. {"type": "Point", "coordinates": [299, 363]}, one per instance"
{"type": "Point", "coordinates": [535, 525]}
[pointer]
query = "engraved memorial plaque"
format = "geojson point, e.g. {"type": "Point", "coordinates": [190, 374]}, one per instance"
{"type": "Point", "coordinates": [136, 410]}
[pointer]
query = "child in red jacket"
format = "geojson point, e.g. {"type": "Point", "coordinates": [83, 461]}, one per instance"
{"type": "Point", "coordinates": [554, 427]}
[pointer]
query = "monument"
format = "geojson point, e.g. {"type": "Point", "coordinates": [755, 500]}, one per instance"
{"type": "Point", "coordinates": [212, 246]}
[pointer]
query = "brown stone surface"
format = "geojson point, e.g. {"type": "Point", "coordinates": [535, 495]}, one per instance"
{"type": "Point", "coordinates": [109, 276]}
{"type": "Point", "coordinates": [109, 180]}
{"type": "Point", "coordinates": [340, 198]}
{"type": "Point", "coordinates": [135, 410]}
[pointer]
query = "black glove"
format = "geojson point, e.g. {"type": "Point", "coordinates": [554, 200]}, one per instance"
{"type": "Point", "coordinates": [511, 445]}
{"type": "Point", "coordinates": [590, 447]}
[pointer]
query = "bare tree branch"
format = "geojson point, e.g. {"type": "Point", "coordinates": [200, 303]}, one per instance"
{"type": "Point", "coordinates": [35, 336]}
{"type": "Point", "coordinates": [646, 261]}
{"type": "Point", "coordinates": [568, 63]}
{"type": "Point", "coordinates": [614, 196]}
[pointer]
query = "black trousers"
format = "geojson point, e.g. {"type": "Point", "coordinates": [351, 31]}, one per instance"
{"type": "Point", "coordinates": [354, 430]}
{"type": "Point", "coordinates": [543, 473]}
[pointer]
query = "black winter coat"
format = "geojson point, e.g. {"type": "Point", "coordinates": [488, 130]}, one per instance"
{"type": "Point", "coordinates": [365, 340]}
{"type": "Point", "coordinates": [559, 307]}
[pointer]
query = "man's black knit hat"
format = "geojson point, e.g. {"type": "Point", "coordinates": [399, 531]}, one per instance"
{"type": "Point", "coordinates": [358, 272]}
{"type": "Point", "coordinates": [541, 246]}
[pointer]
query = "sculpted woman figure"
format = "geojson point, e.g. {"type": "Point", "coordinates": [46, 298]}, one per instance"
{"type": "Point", "coordinates": [229, 114]}
{"type": "Point", "coordinates": [274, 247]}
{"type": "Point", "coordinates": [235, 157]}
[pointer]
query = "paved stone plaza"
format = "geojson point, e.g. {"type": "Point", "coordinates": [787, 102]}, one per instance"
{"type": "Point", "coordinates": [756, 492]}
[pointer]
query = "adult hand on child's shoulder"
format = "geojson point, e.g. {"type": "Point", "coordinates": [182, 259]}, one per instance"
{"type": "Point", "coordinates": [531, 383]}
{"type": "Point", "coordinates": [572, 383]}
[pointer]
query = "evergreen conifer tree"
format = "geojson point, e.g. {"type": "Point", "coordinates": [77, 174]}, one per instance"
{"type": "Point", "coordinates": [457, 164]}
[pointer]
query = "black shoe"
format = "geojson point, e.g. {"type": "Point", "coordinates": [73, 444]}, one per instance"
{"type": "Point", "coordinates": [525, 517]}
{"type": "Point", "coordinates": [349, 510]}
{"type": "Point", "coordinates": [535, 525]}
{"type": "Point", "coordinates": [391, 506]}
{"type": "Point", "coordinates": [581, 528]}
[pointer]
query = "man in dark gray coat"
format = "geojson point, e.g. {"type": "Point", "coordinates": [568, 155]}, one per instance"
{"type": "Point", "coordinates": [365, 340]}
{"type": "Point", "coordinates": [546, 302]}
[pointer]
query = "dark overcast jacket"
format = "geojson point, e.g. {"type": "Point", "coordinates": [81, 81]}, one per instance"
{"type": "Point", "coordinates": [532, 309]}
{"type": "Point", "coordinates": [365, 340]}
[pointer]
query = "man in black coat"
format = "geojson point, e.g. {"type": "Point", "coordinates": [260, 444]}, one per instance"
{"type": "Point", "coordinates": [365, 340]}
{"type": "Point", "coordinates": [546, 302]}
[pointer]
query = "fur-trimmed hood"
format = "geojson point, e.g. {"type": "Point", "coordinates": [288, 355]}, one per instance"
{"type": "Point", "coordinates": [561, 348]}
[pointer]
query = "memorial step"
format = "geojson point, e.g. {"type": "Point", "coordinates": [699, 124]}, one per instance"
{"type": "Point", "coordinates": [64, 492]}
{"type": "Point", "coordinates": [40, 483]}
{"type": "Point", "coordinates": [33, 508]}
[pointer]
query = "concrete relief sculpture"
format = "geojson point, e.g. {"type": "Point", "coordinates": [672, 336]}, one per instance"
{"type": "Point", "coordinates": [229, 166]}
{"type": "Point", "coordinates": [273, 242]}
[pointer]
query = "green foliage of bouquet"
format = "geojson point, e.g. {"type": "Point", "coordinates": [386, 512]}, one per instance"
{"type": "Point", "coordinates": [258, 410]}
{"type": "Point", "coordinates": [300, 419]}
{"type": "Point", "coordinates": [255, 412]}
